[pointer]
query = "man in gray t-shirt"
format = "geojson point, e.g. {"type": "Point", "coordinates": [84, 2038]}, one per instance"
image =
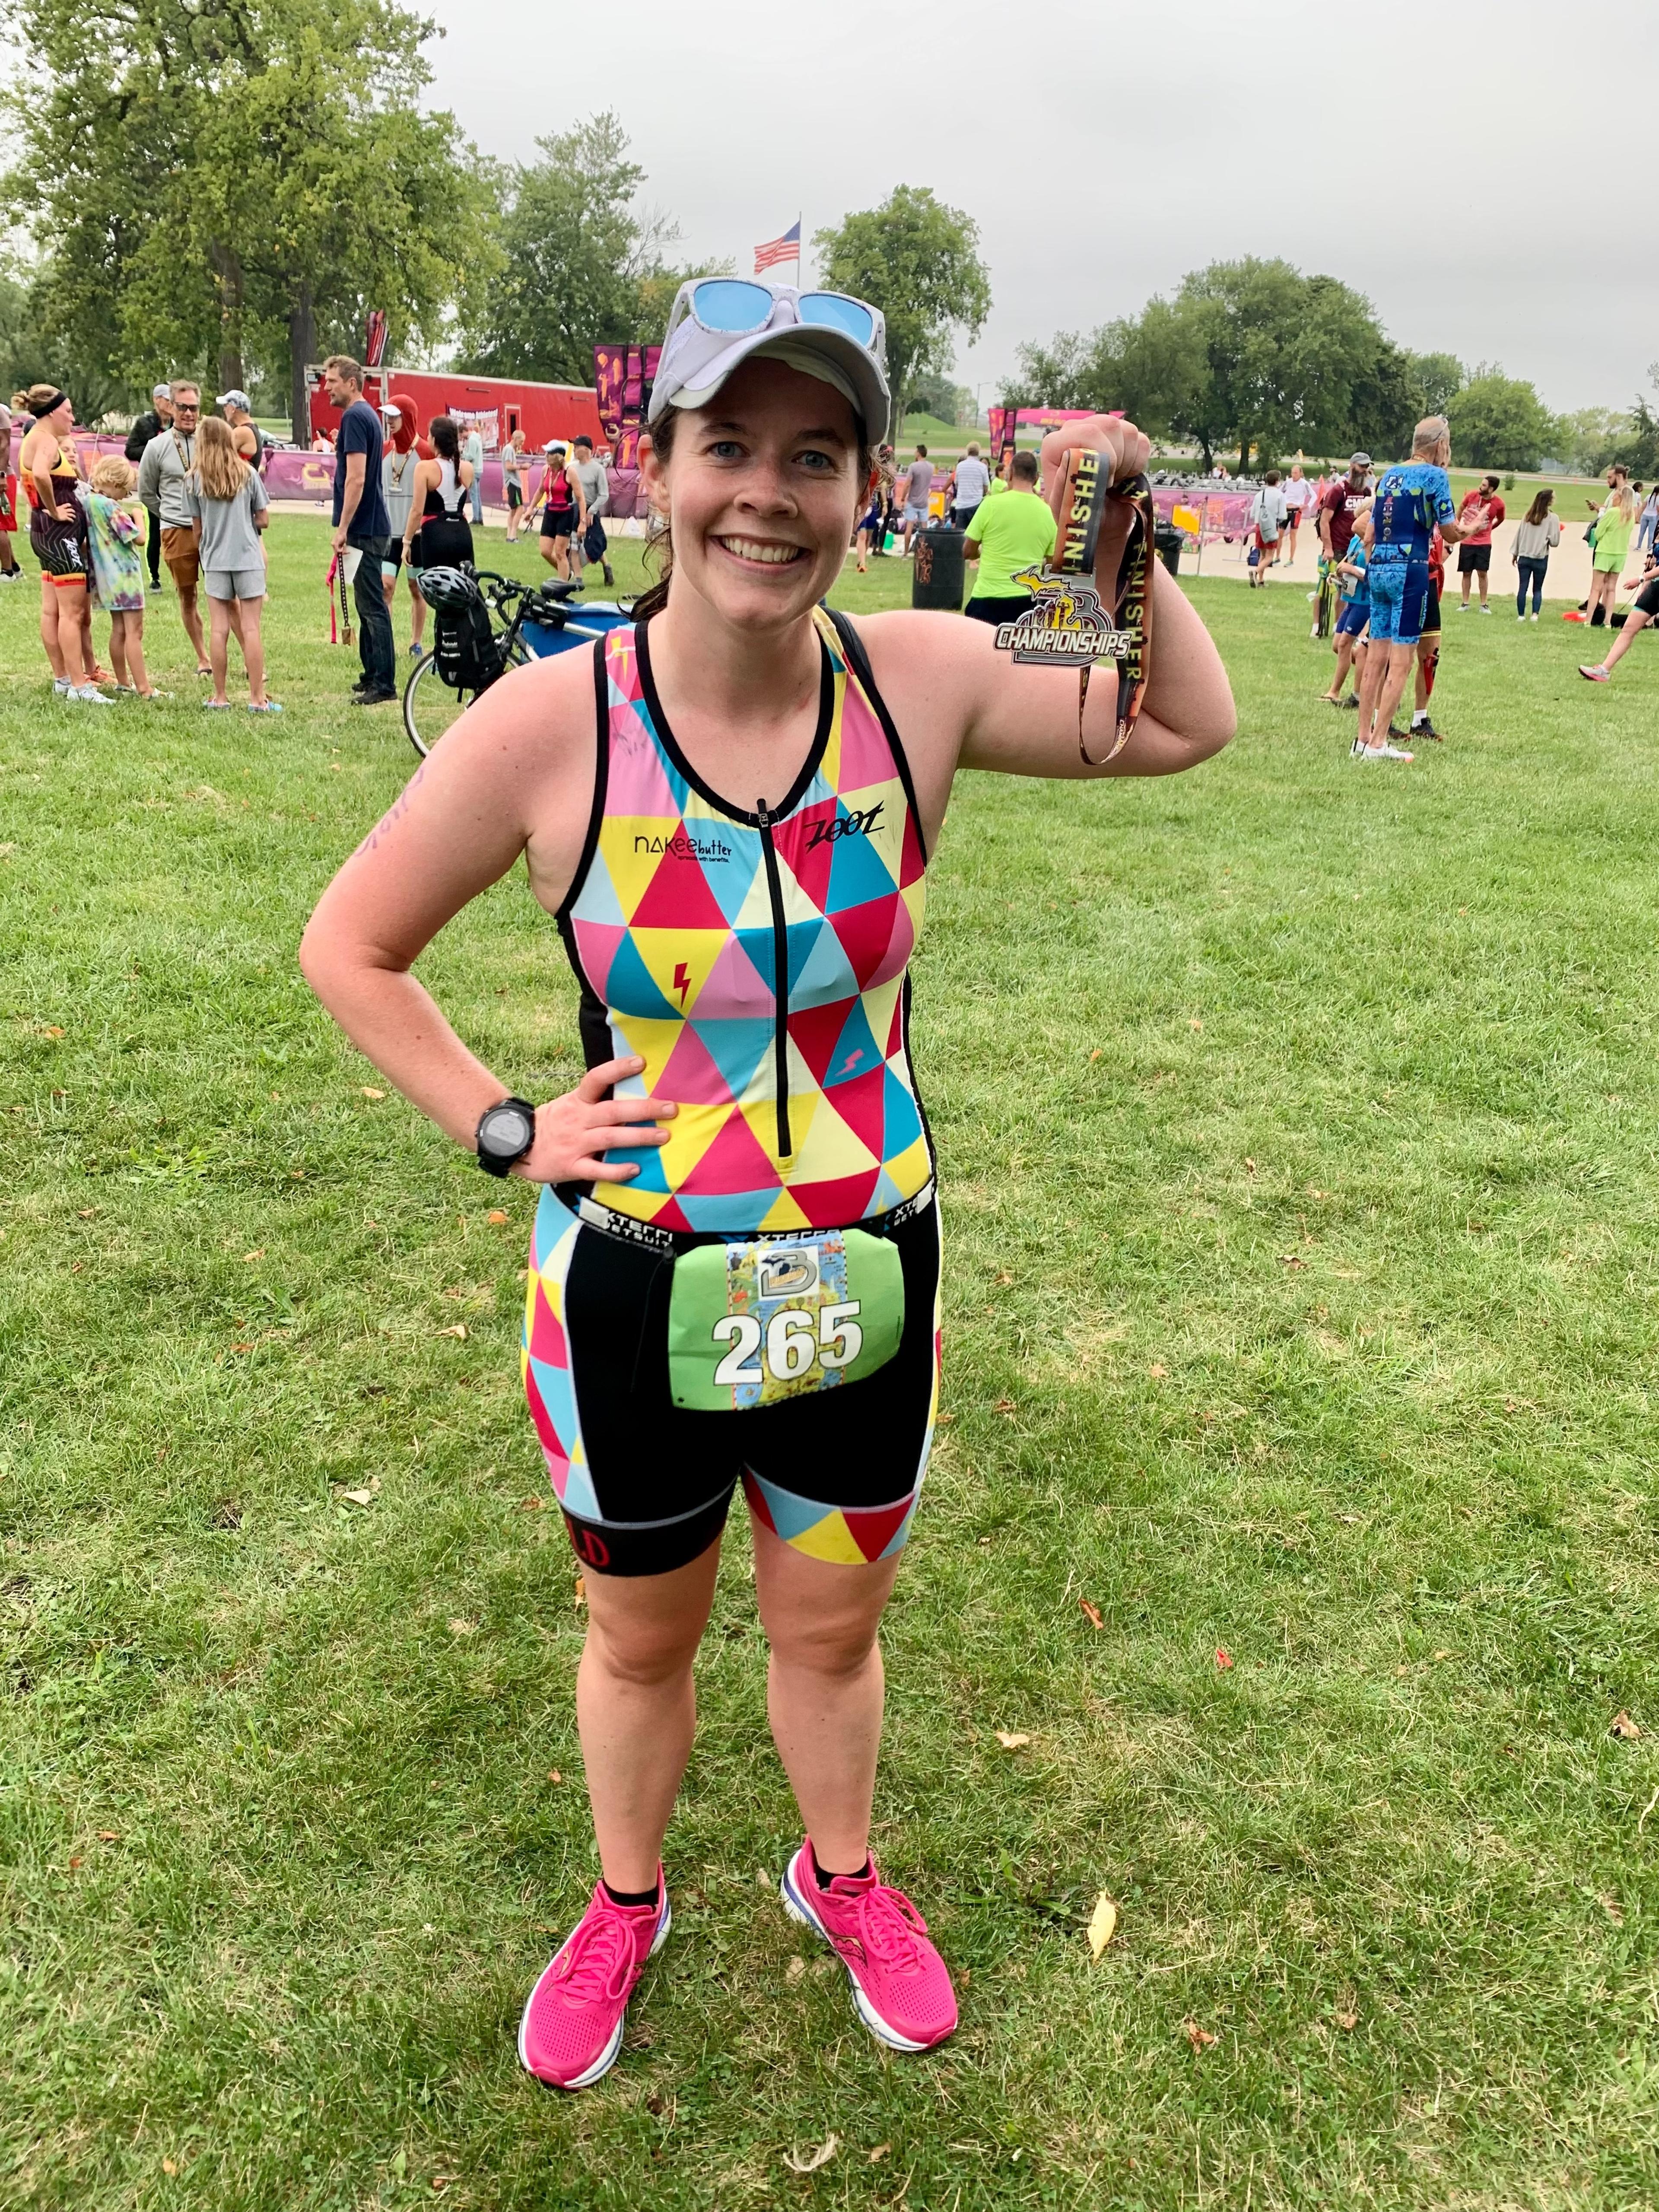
{"type": "Point", "coordinates": [472, 450]}
{"type": "Point", "coordinates": [596, 491]}
{"type": "Point", "coordinates": [918, 488]}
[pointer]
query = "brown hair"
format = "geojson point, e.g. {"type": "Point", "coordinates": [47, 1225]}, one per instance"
{"type": "Point", "coordinates": [37, 394]}
{"type": "Point", "coordinates": [113, 477]}
{"type": "Point", "coordinates": [1025, 467]}
{"type": "Point", "coordinates": [1542, 504]}
{"type": "Point", "coordinates": [342, 365]}
{"type": "Point", "coordinates": [659, 538]}
{"type": "Point", "coordinates": [220, 469]}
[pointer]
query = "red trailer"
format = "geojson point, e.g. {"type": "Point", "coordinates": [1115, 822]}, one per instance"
{"type": "Point", "coordinates": [499, 405]}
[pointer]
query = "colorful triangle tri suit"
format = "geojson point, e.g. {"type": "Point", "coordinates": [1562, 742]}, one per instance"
{"type": "Point", "coordinates": [693, 919]}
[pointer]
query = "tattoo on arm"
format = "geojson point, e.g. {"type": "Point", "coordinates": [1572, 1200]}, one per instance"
{"type": "Point", "coordinates": [387, 821]}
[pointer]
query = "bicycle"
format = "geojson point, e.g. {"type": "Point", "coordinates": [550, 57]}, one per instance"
{"type": "Point", "coordinates": [470, 653]}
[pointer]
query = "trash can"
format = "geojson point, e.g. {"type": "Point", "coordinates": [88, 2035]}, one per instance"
{"type": "Point", "coordinates": [1168, 541]}
{"type": "Point", "coordinates": [937, 580]}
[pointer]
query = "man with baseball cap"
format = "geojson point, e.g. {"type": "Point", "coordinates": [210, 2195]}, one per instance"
{"type": "Point", "coordinates": [157, 417]}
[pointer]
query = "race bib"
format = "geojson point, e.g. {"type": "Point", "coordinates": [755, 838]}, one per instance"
{"type": "Point", "coordinates": [755, 1322]}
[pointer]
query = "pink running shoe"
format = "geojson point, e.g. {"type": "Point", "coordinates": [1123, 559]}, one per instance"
{"type": "Point", "coordinates": [572, 2027]}
{"type": "Point", "coordinates": [1595, 672]}
{"type": "Point", "coordinates": [901, 1985]}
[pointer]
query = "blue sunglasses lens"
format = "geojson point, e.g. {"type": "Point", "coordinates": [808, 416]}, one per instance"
{"type": "Point", "coordinates": [728, 304]}
{"type": "Point", "coordinates": [834, 312]}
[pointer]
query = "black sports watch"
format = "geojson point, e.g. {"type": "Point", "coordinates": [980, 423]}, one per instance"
{"type": "Point", "coordinates": [506, 1132]}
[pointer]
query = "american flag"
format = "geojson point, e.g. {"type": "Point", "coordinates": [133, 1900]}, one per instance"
{"type": "Point", "coordinates": [787, 248]}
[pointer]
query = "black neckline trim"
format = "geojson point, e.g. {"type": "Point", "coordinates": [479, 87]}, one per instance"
{"type": "Point", "coordinates": [809, 767]}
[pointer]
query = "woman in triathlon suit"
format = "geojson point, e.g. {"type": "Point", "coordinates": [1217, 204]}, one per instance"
{"type": "Point", "coordinates": [437, 534]}
{"type": "Point", "coordinates": [51, 470]}
{"type": "Point", "coordinates": [565, 513]}
{"type": "Point", "coordinates": [729, 806]}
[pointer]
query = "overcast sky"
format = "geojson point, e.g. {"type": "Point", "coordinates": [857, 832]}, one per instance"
{"type": "Point", "coordinates": [1474, 166]}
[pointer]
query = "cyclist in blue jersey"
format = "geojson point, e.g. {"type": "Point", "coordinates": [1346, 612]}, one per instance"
{"type": "Point", "coordinates": [1411, 498]}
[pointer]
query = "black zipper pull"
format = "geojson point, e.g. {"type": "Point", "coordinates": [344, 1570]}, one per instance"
{"type": "Point", "coordinates": [780, 976]}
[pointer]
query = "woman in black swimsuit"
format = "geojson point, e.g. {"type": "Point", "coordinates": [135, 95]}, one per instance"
{"type": "Point", "coordinates": [437, 534]}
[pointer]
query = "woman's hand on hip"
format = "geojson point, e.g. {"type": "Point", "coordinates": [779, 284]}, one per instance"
{"type": "Point", "coordinates": [573, 1134]}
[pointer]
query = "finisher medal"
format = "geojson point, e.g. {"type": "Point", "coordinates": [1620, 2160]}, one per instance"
{"type": "Point", "coordinates": [1067, 624]}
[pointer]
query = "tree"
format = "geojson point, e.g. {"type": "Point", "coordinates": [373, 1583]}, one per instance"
{"type": "Point", "coordinates": [1058, 374]}
{"type": "Point", "coordinates": [220, 181]}
{"type": "Point", "coordinates": [1388, 404]}
{"type": "Point", "coordinates": [578, 263]}
{"type": "Point", "coordinates": [939, 396]}
{"type": "Point", "coordinates": [918, 261]}
{"type": "Point", "coordinates": [1499, 422]}
{"type": "Point", "coordinates": [1440, 377]}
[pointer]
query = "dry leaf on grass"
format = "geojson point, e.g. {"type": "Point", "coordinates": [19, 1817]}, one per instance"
{"type": "Point", "coordinates": [87, 1212]}
{"type": "Point", "coordinates": [1159, 1372]}
{"type": "Point", "coordinates": [1096, 1054]}
{"type": "Point", "coordinates": [1292, 1260]}
{"type": "Point", "coordinates": [795, 1970]}
{"type": "Point", "coordinates": [369, 1092]}
{"type": "Point", "coordinates": [169, 2166]}
{"type": "Point", "coordinates": [359, 1496]}
{"type": "Point", "coordinates": [1624, 1726]}
{"type": "Point", "coordinates": [460, 1627]}
{"type": "Point", "coordinates": [1011, 1742]}
{"type": "Point", "coordinates": [581, 1592]}
{"type": "Point", "coordinates": [533, 1505]}
{"type": "Point", "coordinates": [496, 1218]}
{"type": "Point", "coordinates": [1199, 2037]}
{"type": "Point", "coordinates": [109, 1835]}
{"type": "Point", "coordinates": [1091, 1613]}
{"type": "Point", "coordinates": [1223, 1658]}
{"type": "Point", "coordinates": [554, 1774]}
{"type": "Point", "coordinates": [1194, 1023]}
{"type": "Point", "coordinates": [456, 1329]}
{"type": "Point", "coordinates": [814, 2159]}
{"type": "Point", "coordinates": [880, 2151]}
{"type": "Point", "coordinates": [1348, 2018]}
{"type": "Point", "coordinates": [1003, 1405]}
{"type": "Point", "coordinates": [248, 1258]}
{"type": "Point", "coordinates": [1103, 1926]}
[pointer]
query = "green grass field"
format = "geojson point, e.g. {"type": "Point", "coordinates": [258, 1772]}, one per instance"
{"type": "Point", "coordinates": [1297, 1126]}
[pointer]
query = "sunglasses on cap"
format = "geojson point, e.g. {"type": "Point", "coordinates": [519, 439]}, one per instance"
{"type": "Point", "coordinates": [732, 306]}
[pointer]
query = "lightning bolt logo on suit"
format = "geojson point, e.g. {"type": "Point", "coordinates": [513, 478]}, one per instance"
{"type": "Point", "coordinates": [681, 979]}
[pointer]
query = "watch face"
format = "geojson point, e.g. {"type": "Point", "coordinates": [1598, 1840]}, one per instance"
{"type": "Point", "coordinates": [508, 1131]}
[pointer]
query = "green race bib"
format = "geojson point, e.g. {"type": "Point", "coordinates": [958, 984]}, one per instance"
{"type": "Point", "coordinates": [753, 1322]}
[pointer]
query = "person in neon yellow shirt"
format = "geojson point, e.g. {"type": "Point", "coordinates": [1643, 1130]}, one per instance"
{"type": "Point", "coordinates": [1006, 535]}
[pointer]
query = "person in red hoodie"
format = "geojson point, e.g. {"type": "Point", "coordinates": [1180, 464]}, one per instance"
{"type": "Point", "coordinates": [397, 468]}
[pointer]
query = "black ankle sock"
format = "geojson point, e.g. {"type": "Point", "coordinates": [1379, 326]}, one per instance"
{"type": "Point", "coordinates": [635, 1896]}
{"type": "Point", "coordinates": [824, 1880]}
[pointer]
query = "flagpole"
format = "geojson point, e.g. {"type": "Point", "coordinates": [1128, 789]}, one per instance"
{"type": "Point", "coordinates": [800, 247]}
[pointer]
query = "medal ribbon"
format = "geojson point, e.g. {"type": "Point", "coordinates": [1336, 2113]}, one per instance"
{"type": "Point", "coordinates": [1083, 506]}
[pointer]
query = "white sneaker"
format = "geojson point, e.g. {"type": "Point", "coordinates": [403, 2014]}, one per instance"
{"type": "Point", "coordinates": [1384, 751]}
{"type": "Point", "coordinates": [1485, 606]}
{"type": "Point", "coordinates": [89, 696]}
{"type": "Point", "coordinates": [1520, 618]}
{"type": "Point", "coordinates": [1532, 618]}
{"type": "Point", "coordinates": [61, 687]}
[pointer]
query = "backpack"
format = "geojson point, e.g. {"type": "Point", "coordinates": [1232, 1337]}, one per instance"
{"type": "Point", "coordinates": [464, 646]}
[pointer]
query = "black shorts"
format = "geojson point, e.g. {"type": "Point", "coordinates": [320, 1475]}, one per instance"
{"type": "Point", "coordinates": [1431, 613]}
{"type": "Point", "coordinates": [1473, 560]}
{"type": "Point", "coordinates": [558, 522]}
{"type": "Point", "coordinates": [514, 494]}
{"type": "Point", "coordinates": [1646, 601]}
{"type": "Point", "coordinates": [59, 546]}
{"type": "Point", "coordinates": [645, 1484]}
{"type": "Point", "coordinates": [996, 610]}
